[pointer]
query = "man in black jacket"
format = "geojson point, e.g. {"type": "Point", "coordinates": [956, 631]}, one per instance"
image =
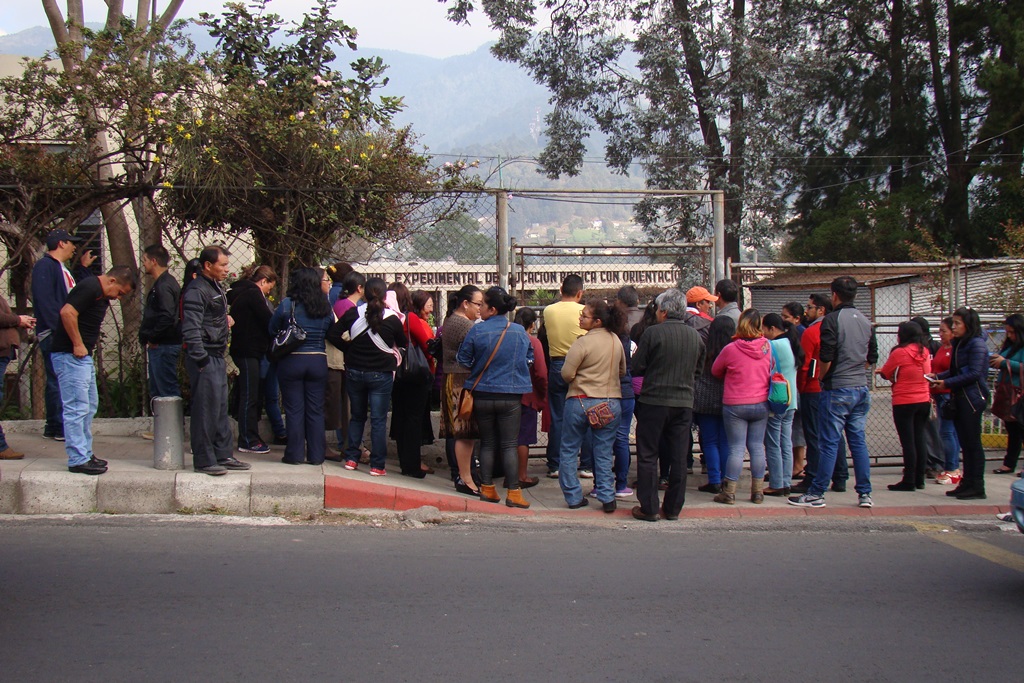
{"type": "Point", "coordinates": [670, 356]}
{"type": "Point", "coordinates": [204, 331]}
{"type": "Point", "coordinates": [159, 333]}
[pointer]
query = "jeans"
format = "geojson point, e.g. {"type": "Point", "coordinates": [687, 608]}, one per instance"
{"type": "Point", "coordinates": [4, 362]}
{"type": "Point", "coordinates": [621, 447]}
{"type": "Point", "coordinates": [968, 430]}
{"type": "Point", "coordinates": [54, 425]}
{"type": "Point", "coordinates": [303, 378]}
{"type": "Point", "coordinates": [745, 425]}
{"type": "Point", "coordinates": [842, 411]}
{"type": "Point", "coordinates": [210, 436]}
{"type": "Point", "coordinates": [810, 404]}
{"type": "Point", "coordinates": [498, 420]}
{"type": "Point", "coordinates": [574, 428]}
{"type": "Point", "coordinates": [656, 426]}
{"type": "Point", "coordinates": [778, 445]}
{"type": "Point", "coordinates": [249, 399]}
{"type": "Point", "coordinates": [77, 377]}
{"type": "Point", "coordinates": [910, 420]}
{"type": "Point", "coordinates": [947, 433]}
{"type": "Point", "coordinates": [272, 396]}
{"type": "Point", "coordinates": [714, 444]}
{"type": "Point", "coordinates": [163, 370]}
{"type": "Point", "coordinates": [556, 408]}
{"type": "Point", "coordinates": [368, 391]}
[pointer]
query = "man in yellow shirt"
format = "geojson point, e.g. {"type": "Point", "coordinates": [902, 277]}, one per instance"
{"type": "Point", "coordinates": [559, 329]}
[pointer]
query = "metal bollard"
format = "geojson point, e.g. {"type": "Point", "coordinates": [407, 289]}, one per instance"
{"type": "Point", "coordinates": [168, 433]}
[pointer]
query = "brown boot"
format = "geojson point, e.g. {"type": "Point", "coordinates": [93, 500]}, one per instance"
{"type": "Point", "coordinates": [728, 494]}
{"type": "Point", "coordinates": [11, 454]}
{"type": "Point", "coordinates": [489, 493]}
{"type": "Point", "coordinates": [514, 499]}
{"type": "Point", "coordinates": [757, 490]}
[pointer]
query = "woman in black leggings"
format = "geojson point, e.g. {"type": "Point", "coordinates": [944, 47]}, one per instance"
{"type": "Point", "coordinates": [966, 378]}
{"type": "Point", "coordinates": [498, 355]}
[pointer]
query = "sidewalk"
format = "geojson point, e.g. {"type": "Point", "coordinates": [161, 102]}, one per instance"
{"type": "Point", "coordinates": [41, 484]}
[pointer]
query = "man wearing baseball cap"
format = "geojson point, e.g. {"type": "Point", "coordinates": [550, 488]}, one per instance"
{"type": "Point", "coordinates": [698, 304]}
{"type": "Point", "coordinates": [51, 282]}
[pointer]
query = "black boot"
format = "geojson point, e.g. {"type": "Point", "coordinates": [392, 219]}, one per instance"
{"type": "Point", "coordinates": [710, 488]}
{"type": "Point", "coordinates": [902, 486]}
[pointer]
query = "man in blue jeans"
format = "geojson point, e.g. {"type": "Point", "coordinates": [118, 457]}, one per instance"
{"type": "Point", "coordinates": [848, 347]}
{"type": "Point", "coordinates": [73, 343]}
{"type": "Point", "coordinates": [51, 282]}
{"type": "Point", "coordinates": [559, 329]}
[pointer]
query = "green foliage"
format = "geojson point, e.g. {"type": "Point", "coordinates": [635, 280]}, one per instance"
{"type": "Point", "coordinates": [458, 239]}
{"type": "Point", "coordinates": [53, 170]}
{"type": "Point", "coordinates": [834, 118]}
{"type": "Point", "coordinates": [279, 144]}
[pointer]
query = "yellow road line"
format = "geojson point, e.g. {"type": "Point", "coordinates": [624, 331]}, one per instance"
{"type": "Point", "coordinates": [985, 551]}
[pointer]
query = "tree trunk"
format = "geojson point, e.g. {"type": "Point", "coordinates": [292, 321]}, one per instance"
{"type": "Point", "coordinates": [718, 169]}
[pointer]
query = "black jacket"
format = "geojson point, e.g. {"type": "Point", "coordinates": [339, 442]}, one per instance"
{"type": "Point", "coordinates": [251, 311]}
{"type": "Point", "coordinates": [204, 320]}
{"type": "Point", "coordinates": [160, 316]}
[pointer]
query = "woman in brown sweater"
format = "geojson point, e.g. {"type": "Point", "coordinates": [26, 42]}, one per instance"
{"type": "Point", "coordinates": [592, 369]}
{"type": "Point", "coordinates": [10, 339]}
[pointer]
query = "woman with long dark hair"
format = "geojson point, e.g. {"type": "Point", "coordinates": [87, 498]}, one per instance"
{"type": "Point", "coordinates": [498, 354]}
{"type": "Point", "coordinates": [1008, 362]}
{"type": "Point", "coordinates": [745, 367]}
{"type": "Point", "coordinates": [464, 308]}
{"type": "Point", "coordinates": [302, 374]}
{"type": "Point", "coordinates": [906, 368]}
{"type": "Point", "coordinates": [778, 435]}
{"type": "Point", "coordinates": [372, 332]}
{"type": "Point", "coordinates": [966, 378]}
{"type": "Point", "coordinates": [410, 397]}
{"type": "Point", "coordinates": [250, 341]}
{"type": "Point", "coordinates": [593, 368]}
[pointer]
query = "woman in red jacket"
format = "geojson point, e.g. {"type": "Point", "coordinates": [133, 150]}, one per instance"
{"type": "Point", "coordinates": [906, 367]}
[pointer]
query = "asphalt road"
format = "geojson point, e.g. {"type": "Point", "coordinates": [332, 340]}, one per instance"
{"type": "Point", "coordinates": [124, 600]}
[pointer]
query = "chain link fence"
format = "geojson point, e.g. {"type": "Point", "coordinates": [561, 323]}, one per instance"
{"type": "Point", "coordinates": [891, 293]}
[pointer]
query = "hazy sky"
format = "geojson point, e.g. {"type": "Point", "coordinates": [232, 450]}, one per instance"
{"type": "Point", "coordinates": [416, 26]}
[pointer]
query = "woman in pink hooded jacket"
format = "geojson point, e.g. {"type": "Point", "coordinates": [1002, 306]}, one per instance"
{"type": "Point", "coordinates": [906, 367]}
{"type": "Point", "coordinates": [745, 367]}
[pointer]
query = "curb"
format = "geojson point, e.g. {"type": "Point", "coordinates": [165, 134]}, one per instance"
{"type": "Point", "coordinates": [350, 494]}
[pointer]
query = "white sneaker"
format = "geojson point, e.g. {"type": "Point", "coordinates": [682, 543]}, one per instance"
{"type": "Point", "coordinates": [586, 474]}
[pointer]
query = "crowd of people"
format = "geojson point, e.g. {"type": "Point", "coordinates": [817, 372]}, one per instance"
{"type": "Point", "coordinates": [788, 390]}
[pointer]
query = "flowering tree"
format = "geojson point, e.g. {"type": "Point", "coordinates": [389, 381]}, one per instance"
{"type": "Point", "coordinates": [285, 147]}
{"type": "Point", "coordinates": [74, 137]}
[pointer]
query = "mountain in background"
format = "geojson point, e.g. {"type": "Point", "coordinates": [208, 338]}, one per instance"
{"type": "Point", "coordinates": [455, 105]}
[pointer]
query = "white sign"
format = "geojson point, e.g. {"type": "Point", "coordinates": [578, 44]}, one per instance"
{"type": "Point", "coordinates": [445, 275]}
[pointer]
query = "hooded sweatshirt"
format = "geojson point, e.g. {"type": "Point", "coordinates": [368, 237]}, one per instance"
{"type": "Point", "coordinates": [744, 365]}
{"type": "Point", "coordinates": [906, 368]}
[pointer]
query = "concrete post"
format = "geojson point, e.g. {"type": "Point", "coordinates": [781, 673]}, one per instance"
{"type": "Point", "coordinates": [168, 433]}
{"type": "Point", "coordinates": [501, 237]}
{"type": "Point", "coordinates": [718, 215]}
